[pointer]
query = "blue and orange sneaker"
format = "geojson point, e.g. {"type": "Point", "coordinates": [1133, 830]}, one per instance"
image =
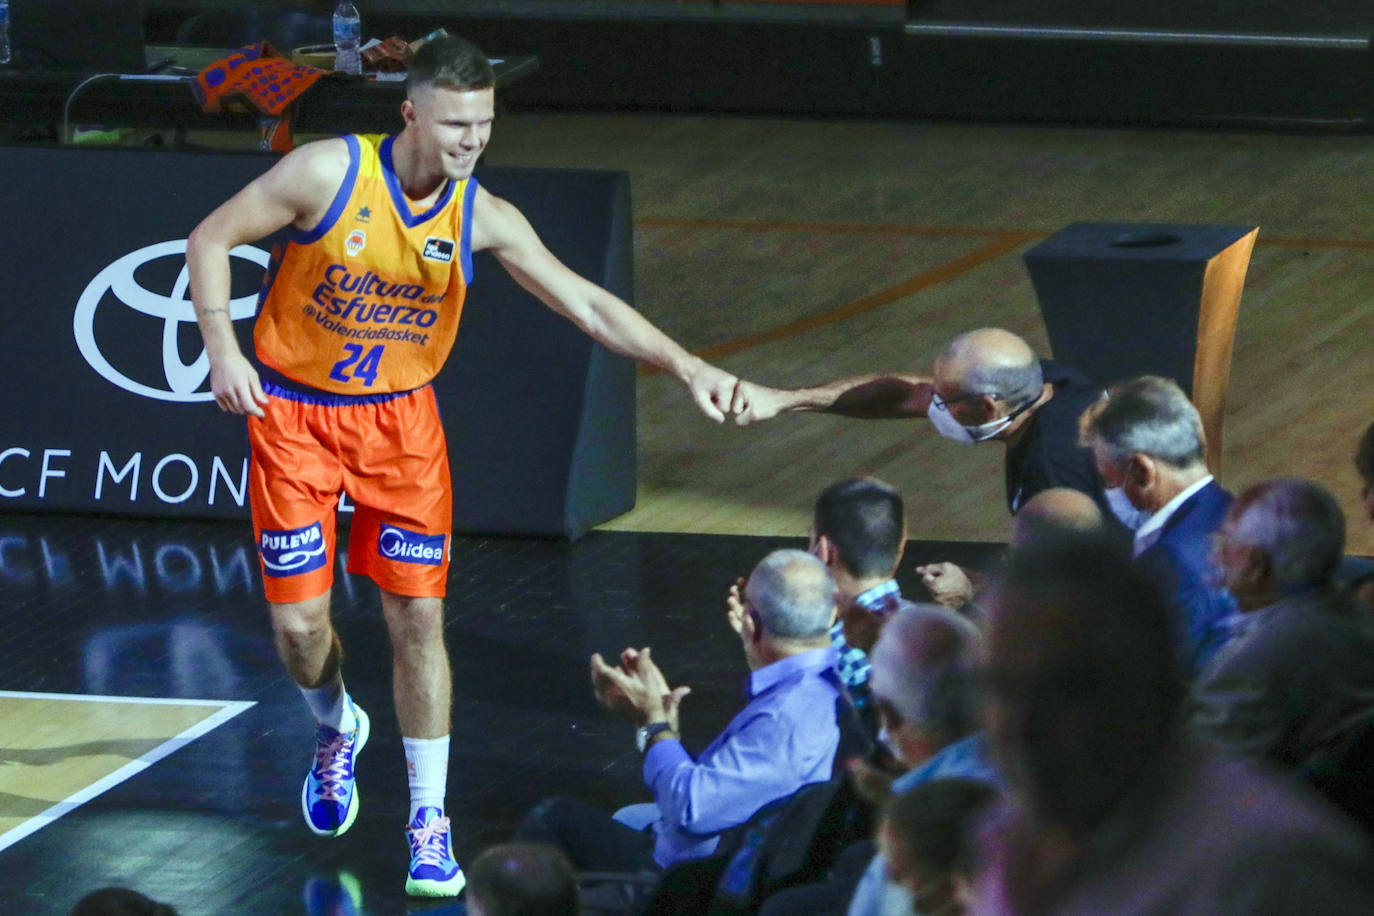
{"type": "Point", "coordinates": [433, 871]}
{"type": "Point", "coordinates": [329, 798]}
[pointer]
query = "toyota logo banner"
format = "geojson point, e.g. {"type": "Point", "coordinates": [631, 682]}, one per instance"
{"type": "Point", "coordinates": [120, 285]}
{"type": "Point", "coordinates": [109, 388]}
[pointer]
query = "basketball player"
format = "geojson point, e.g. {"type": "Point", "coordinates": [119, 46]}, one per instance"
{"type": "Point", "coordinates": [358, 313]}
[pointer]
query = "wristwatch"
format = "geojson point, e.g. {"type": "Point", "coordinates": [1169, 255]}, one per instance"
{"type": "Point", "coordinates": [645, 732]}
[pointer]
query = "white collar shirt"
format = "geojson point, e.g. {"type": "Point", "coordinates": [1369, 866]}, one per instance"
{"type": "Point", "coordinates": [1148, 534]}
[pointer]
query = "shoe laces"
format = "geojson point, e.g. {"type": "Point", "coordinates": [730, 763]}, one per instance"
{"type": "Point", "coordinates": [428, 841]}
{"type": "Point", "coordinates": [330, 760]}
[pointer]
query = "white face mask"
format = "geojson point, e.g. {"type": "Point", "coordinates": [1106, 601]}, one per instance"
{"type": "Point", "coordinates": [1121, 507]}
{"type": "Point", "coordinates": [950, 428]}
{"type": "Point", "coordinates": [896, 898]}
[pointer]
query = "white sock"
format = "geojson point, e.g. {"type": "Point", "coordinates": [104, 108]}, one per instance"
{"type": "Point", "coordinates": [327, 702]}
{"type": "Point", "coordinates": [427, 769]}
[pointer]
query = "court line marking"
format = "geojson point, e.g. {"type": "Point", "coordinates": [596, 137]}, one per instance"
{"type": "Point", "coordinates": [228, 710]}
{"type": "Point", "coordinates": [1003, 241]}
{"type": "Point", "coordinates": [943, 274]}
{"type": "Point", "coordinates": [917, 229]}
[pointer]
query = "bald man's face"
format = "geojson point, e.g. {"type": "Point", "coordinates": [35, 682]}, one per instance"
{"type": "Point", "coordinates": [947, 378]}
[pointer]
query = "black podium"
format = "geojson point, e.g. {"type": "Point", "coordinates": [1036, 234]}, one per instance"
{"type": "Point", "coordinates": [1127, 299]}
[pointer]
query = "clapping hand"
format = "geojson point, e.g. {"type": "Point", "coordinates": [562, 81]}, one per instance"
{"type": "Point", "coordinates": [636, 688]}
{"type": "Point", "coordinates": [734, 606]}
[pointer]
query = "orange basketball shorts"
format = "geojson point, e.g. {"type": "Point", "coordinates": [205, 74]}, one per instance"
{"type": "Point", "coordinates": [388, 452]}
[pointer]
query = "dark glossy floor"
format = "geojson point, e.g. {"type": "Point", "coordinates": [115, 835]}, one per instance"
{"type": "Point", "coordinates": [175, 609]}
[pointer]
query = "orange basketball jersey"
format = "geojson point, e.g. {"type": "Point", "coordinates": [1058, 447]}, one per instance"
{"type": "Point", "coordinates": [368, 301]}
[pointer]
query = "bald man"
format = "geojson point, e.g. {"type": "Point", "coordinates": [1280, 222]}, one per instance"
{"type": "Point", "coordinates": [986, 386]}
{"type": "Point", "coordinates": [1057, 509]}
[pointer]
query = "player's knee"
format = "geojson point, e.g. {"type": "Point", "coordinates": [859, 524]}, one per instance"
{"type": "Point", "coordinates": [301, 624]}
{"type": "Point", "coordinates": [416, 622]}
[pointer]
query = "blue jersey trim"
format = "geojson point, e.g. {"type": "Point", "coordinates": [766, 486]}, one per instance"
{"type": "Point", "coordinates": [398, 195]}
{"type": "Point", "coordinates": [337, 206]}
{"type": "Point", "coordinates": [465, 243]}
{"type": "Point", "coordinates": [278, 386]}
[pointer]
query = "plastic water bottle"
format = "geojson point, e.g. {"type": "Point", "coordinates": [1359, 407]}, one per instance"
{"type": "Point", "coordinates": [348, 27]}
{"type": "Point", "coordinates": [4, 32]}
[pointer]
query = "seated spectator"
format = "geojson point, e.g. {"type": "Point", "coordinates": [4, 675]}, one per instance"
{"type": "Point", "coordinates": [923, 838]}
{"type": "Point", "coordinates": [1148, 443]}
{"type": "Point", "coordinates": [1364, 463]}
{"type": "Point", "coordinates": [924, 688]}
{"type": "Point", "coordinates": [119, 901]}
{"type": "Point", "coordinates": [1056, 509]}
{"type": "Point", "coordinates": [859, 533]}
{"type": "Point", "coordinates": [522, 879]}
{"type": "Point", "coordinates": [1113, 809]}
{"type": "Point", "coordinates": [923, 683]}
{"type": "Point", "coordinates": [785, 737]}
{"type": "Point", "coordinates": [1297, 679]}
{"type": "Point", "coordinates": [1357, 573]}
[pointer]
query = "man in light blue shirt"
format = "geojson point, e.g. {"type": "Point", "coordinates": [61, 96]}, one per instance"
{"type": "Point", "coordinates": [784, 738]}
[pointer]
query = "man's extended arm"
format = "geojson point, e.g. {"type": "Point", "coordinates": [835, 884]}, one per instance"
{"type": "Point", "coordinates": [296, 190]}
{"type": "Point", "coordinates": [873, 397]}
{"type": "Point", "coordinates": [501, 228]}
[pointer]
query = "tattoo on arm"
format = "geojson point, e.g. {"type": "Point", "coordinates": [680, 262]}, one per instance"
{"type": "Point", "coordinates": [212, 311]}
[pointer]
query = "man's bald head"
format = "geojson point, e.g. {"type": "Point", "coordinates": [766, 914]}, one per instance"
{"type": "Point", "coordinates": [990, 361]}
{"type": "Point", "coordinates": [1057, 509]}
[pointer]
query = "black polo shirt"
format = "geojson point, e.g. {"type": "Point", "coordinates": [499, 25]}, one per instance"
{"type": "Point", "coordinates": [1048, 454]}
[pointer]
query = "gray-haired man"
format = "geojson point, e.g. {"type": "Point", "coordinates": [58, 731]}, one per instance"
{"type": "Point", "coordinates": [1147, 441]}
{"type": "Point", "coordinates": [785, 737]}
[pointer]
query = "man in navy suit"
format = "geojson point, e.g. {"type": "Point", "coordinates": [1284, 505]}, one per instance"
{"type": "Point", "coordinates": [1148, 445]}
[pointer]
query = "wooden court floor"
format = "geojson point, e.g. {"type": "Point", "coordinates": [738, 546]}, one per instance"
{"type": "Point", "coordinates": [795, 251]}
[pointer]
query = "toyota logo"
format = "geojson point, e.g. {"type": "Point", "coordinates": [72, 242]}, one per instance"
{"type": "Point", "coordinates": [183, 380]}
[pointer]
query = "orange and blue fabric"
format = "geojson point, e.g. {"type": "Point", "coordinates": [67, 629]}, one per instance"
{"type": "Point", "coordinates": [256, 78]}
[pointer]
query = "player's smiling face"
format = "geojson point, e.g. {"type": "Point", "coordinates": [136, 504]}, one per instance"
{"type": "Point", "coordinates": [452, 126]}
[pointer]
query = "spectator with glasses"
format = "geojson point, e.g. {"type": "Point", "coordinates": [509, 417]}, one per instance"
{"type": "Point", "coordinates": [986, 386]}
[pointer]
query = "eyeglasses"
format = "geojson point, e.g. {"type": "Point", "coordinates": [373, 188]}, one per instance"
{"type": "Point", "coordinates": [943, 403]}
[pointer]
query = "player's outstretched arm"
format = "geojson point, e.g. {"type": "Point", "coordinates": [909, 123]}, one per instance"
{"type": "Point", "coordinates": [296, 191]}
{"type": "Point", "coordinates": [500, 227]}
{"type": "Point", "coordinates": [891, 396]}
